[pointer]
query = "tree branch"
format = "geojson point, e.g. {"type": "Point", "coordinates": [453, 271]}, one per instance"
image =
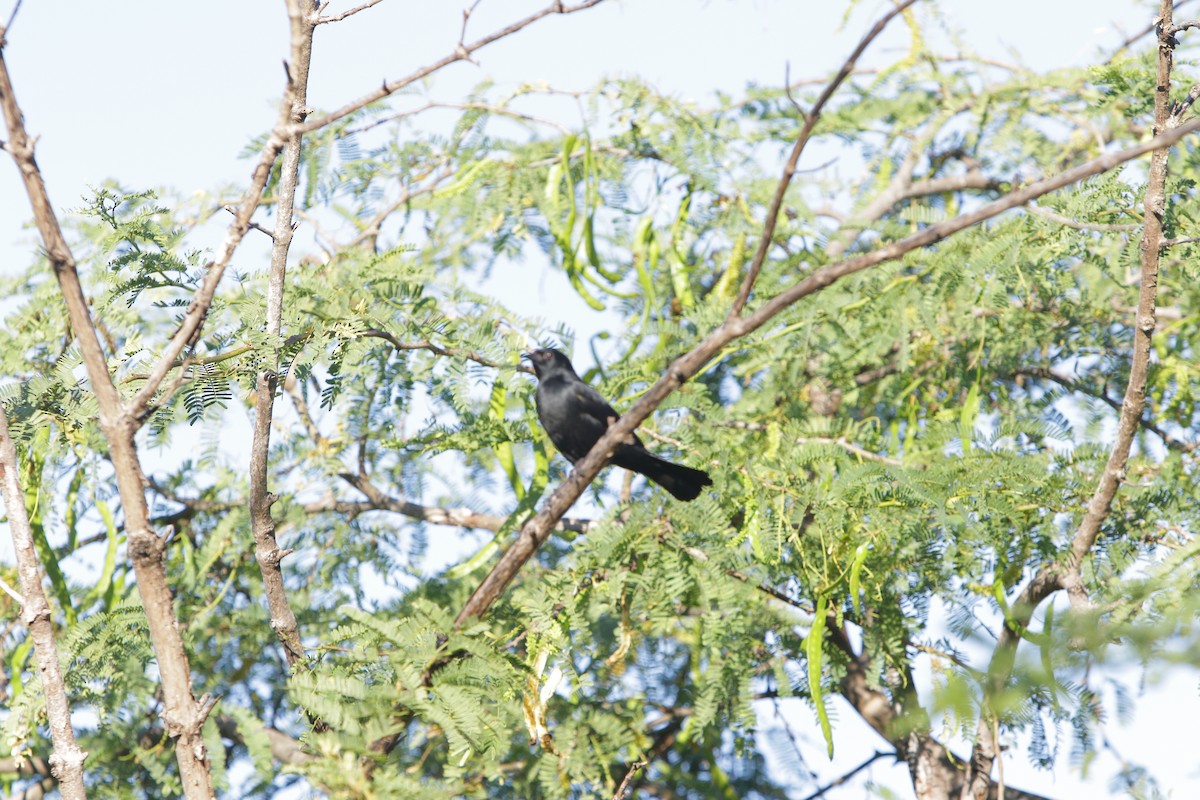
{"type": "Point", "coordinates": [66, 759]}
{"type": "Point", "coordinates": [462, 52]}
{"type": "Point", "coordinates": [347, 13]}
{"type": "Point", "coordinates": [378, 500]}
{"type": "Point", "coordinates": [1129, 40]}
{"type": "Point", "coordinates": [266, 547]}
{"type": "Point", "coordinates": [1050, 578]}
{"type": "Point", "coordinates": [182, 715]}
{"type": "Point", "coordinates": [284, 748]}
{"type": "Point", "coordinates": [448, 352]}
{"type": "Point", "coordinates": [836, 782]}
{"type": "Point", "coordinates": [1166, 119]}
{"type": "Point", "coordinates": [789, 170]}
{"type": "Point", "coordinates": [1079, 225]}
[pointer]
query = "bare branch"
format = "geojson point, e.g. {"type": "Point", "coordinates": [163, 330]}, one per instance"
{"type": "Point", "coordinates": [1166, 119]}
{"type": "Point", "coordinates": [462, 52]}
{"type": "Point", "coordinates": [266, 547]}
{"type": "Point", "coordinates": [459, 517]}
{"type": "Point", "coordinates": [629, 775]}
{"type": "Point", "coordinates": [847, 776]}
{"type": "Point", "coordinates": [1081, 225]}
{"type": "Point", "coordinates": [348, 13]}
{"type": "Point", "coordinates": [448, 352]}
{"type": "Point", "coordinates": [1166, 243]}
{"type": "Point", "coordinates": [66, 760]}
{"type": "Point", "coordinates": [12, 17]}
{"type": "Point", "coordinates": [183, 716]}
{"type": "Point", "coordinates": [789, 170]}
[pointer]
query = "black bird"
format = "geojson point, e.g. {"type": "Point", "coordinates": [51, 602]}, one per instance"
{"type": "Point", "coordinates": [576, 416]}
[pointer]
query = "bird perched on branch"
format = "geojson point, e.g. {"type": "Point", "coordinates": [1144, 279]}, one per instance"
{"type": "Point", "coordinates": [575, 416]}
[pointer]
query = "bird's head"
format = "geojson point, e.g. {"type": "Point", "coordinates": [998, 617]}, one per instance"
{"type": "Point", "coordinates": [547, 360]}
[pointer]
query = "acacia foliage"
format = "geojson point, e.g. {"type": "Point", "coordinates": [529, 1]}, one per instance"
{"type": "Point", "coordinates": [893, 457]}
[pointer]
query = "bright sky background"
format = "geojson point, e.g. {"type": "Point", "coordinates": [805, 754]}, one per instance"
{"type": "Point", "coordinates": [161, 94]}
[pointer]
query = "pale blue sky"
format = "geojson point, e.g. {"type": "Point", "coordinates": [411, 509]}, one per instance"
{"type": "Point", "coordinates": [156, 93]}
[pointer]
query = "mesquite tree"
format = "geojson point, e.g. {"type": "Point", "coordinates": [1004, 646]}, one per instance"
{"type": "Point", "coordinates": [945, 395]}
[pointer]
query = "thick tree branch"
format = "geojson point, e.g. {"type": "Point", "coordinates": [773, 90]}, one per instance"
{"type": "Point", "coordinates": [67, 757]}
{"type": "Point", "coordinates": [266, 547]}
{"type": "Point", "coordinates": [182, 714]}
{"type": "Point", "coordinates": [462, 52]}
{"type": "Point", "coordinates": [810, 122]}
{"type": "Point", "coordinates": [284, 748]}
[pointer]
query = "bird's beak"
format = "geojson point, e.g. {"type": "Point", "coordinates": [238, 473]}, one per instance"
{"type": "Point", "coordinates": [527, 356]}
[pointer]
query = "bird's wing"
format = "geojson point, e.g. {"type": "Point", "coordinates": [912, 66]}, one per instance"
{"type": "Point", "coordinates": [593, 404]}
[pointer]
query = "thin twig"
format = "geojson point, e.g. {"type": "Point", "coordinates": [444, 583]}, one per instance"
{"type": "Point", "coordinates": [851, 447]}
{"type": "Point", "coordinates": [462, 52]}
{"type": "Point", "coordinates": [348, 13]}
{"type": "Point", "coordinates": [1081, 225]}
{"type": "Point", "coordinates": [846, 777]}
{"type": "Point", "coordinates": [789, 170]}
{"type": "Point", "coordinates": [11, 19]}
{"type": "Point", "coordinates": [624, 787]}
{"type": "Point", "coordinates": [448, 352]}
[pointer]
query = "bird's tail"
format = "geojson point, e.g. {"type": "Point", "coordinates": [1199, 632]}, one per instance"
{"type": "Point", "coordinates": [684, 483]}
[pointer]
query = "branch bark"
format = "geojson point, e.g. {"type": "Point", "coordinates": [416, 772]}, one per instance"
{"type": "Point", "coordinates": [183, 715]}
{"type": "Point", "coordinates": [292, 111]}
{"type": "Point", "coordinates": [936, 773]}
{"type": "Point", "coordinates": [1069, 576]}
{"type": "Point", "coordinates": [1165, 119]}
{"type": "Point", "coordinates": [66, 760]}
